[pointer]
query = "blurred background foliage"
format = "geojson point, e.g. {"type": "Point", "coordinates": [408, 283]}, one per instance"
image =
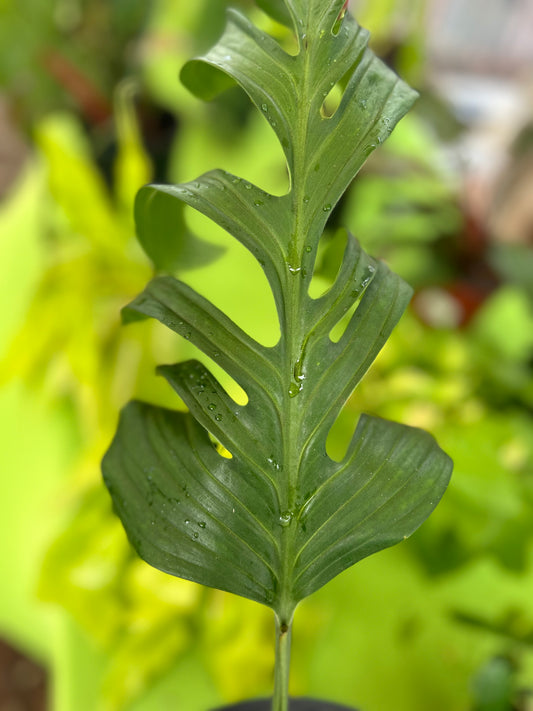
{"type": "Point", "coordinates": [92, 109]}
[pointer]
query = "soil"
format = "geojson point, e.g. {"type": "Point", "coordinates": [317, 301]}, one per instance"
{"type": "Point", "coordinates": [22, 681]}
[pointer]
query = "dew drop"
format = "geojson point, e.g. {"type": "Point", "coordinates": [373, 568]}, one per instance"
{"type": "Point", "coordinates": [294, 270]}
{"type": "Point", "coordinates": [273, 463]}
{"type": "Point", "coordinates": [218, 418]}
{"type": "Point", "coordinates": [327, 207]}
{"type": "Point", "coordinates": [285, 518]}
{"type": "Point", "coordinates": [308, 248]}
{"type": "Point", "coordinates": [211, 406]}
{"type": "Point", "coordinates": [248, 186]}
{"type": "Point", "coordinates": [295, 389]}
{"type": "Point", "coordinates": [202, 524]}
{"type": "Point", "coordinates": [367, 278]}
{"type": "Point", "coordinates": [195, 535]}
{"type": "Point", "coordinates": [306, 199]}
{"type": "Point", "coordinates": [258, 203]}
{"type": "Point", "coordinates": [264, 107]}
{"type": "Point", "coordinates": [299, 375]}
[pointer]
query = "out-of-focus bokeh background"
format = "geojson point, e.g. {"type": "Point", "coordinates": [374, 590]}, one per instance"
{"type": "Point", "coordinates": [91, 109]}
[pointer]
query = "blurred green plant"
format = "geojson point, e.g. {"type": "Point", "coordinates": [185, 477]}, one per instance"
{"type": "Point", "coordinates": [66, 54]}
{"type": "Point", "coordinates": [473, 554]}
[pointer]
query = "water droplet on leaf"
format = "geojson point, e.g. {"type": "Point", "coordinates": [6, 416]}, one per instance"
{"type": "Point", "coordinates": [285, 518]}
{"type": "Point", "coordinates": [273, 463]}
{"type": "Point", "coordinates": [295, 389]}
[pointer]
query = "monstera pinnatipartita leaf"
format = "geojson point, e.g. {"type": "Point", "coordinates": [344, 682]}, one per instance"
{"type": "Point", "coordinates": [279, 518]}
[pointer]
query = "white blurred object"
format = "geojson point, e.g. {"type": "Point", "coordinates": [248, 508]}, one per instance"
{"type": "Point", "coordinates": [485, 35]}
{"type": "Point", "coordinates": [481, 60]}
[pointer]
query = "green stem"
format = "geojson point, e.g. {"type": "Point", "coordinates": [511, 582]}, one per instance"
{"type": "Point", "coordinates": [280, 701]}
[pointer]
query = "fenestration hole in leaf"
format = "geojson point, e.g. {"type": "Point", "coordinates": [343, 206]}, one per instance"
{"type": "Point", "coordinates": [342, 431]}
{"type": "Point", "coordinates": [329, 259]}
{"type": "Point", "coordinates": [340, 327]}
{"type": "Point", "coordinates": [332, 101]}
{"type": "Point", "coordinates": [338, 22]}
{"type": "Point", "coordinates": [226, 382]}
{"type": "Point", "coordinates": [282, 34]}
{"type": "Point", "coordinates": [235, 283]}
{"type": "Point", "coordinates": [277, 24]}
{"type": "Point", "coordinates": [224, 453]}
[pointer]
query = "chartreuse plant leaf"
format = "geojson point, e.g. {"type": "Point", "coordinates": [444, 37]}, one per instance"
{"type": "Point", "coordinates": [278, 518]}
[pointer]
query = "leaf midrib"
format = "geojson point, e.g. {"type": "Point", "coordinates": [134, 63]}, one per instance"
{"type": "Point", "coordinates": [294, 341]}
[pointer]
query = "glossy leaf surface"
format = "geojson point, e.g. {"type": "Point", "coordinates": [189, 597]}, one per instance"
{"type": "Point", "coordinates": [279, 518]}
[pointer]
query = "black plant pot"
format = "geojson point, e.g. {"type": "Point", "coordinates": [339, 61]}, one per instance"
{"type": "Point", "coordinates": [295, 705]}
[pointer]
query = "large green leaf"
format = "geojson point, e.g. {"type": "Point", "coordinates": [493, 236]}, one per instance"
{"type": "Point", "coordinates": [278, 518]}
